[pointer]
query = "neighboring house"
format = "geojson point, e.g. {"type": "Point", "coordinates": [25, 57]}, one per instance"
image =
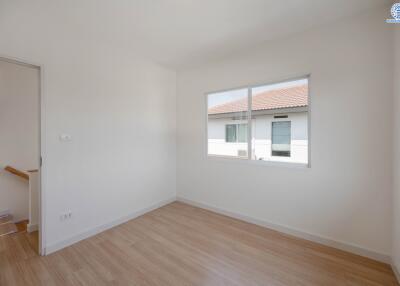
{"type": "Point", "coordinates": [279, 125]}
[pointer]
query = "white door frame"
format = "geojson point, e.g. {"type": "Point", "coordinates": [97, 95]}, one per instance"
{"type": "Point", "coordinates": [42, 172]}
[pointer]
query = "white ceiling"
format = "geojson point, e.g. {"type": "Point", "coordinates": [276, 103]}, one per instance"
{"type": "Point", "coordinates": [181, 33]}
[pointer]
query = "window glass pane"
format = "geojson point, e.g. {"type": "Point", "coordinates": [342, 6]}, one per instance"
{"type": "Point", "coordinates": [230, 133]}
{"type": "Point", "coordinates": [280, 122]}
{"type": "Point", "coordinates": [281, 138]}
{"type": "Point", "coordinates": [227, 123]}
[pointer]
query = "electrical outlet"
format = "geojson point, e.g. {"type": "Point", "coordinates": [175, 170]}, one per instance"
{"type": "Point", "coordinates": [65, 216]}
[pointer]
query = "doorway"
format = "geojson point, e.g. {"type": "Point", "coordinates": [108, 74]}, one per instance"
{"type": "Point", "coordinates": [20, 151]}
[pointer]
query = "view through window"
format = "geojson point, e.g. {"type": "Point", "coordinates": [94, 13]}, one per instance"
{"type": "Point", "coordinates": [277, 128]}
{"type": "Point", "coordinates": [227, 123]}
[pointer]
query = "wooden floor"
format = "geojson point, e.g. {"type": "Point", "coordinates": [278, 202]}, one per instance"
{"type": "Point", "coordinates": [183, 245]}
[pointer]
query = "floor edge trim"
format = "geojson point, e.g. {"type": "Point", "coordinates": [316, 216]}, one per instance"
{"type": "Point", "coordinates": [294, 232]}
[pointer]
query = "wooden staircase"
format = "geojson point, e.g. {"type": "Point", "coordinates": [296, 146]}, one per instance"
{"type": "Point", "coordinates": [7, 226]}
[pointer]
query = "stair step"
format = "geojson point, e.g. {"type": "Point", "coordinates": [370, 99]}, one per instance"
{"type": "Point", "coordinates": [22, 225]}
{"type": "Point", "coordinates": [5, 219]}
{"type": "Point", "coordinates": [8, 228]}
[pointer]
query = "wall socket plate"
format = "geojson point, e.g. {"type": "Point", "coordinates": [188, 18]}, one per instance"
{"type": "Point", "coordinates": [66, 216]}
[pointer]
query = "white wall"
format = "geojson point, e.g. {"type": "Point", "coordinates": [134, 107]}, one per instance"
{"type": "Point", "coordinates": [346, 194]}
{"type": "Point", "coordinates": [34, 201]}
{"type": "Point", "coordinates": [19, 134]}
{"type": "Point", "coordinates": [396, 173]}
{"type": "Point", "coordinates": [119, 110]}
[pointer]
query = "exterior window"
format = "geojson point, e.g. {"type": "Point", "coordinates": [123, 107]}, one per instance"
{"type": "Point", "coordinates": [227, 123]}
{"type": "Point", "coordinates": [281, 138]}
{"type": "Point", "coordinates": [264, 123]}
{"type": "Point", "coordinates": [236, 133]}
{"type": "Point", "coordinates": [231, 133]}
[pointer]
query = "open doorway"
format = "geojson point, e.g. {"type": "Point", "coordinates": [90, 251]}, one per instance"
{"type": "Point", "coordinates": [20, 159]}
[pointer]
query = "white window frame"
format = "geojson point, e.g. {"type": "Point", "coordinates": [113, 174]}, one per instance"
{"type": "Point", "coordinates": [249, 159]}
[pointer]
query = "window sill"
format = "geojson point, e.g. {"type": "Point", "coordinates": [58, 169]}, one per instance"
{"type": "Point", "coordinates": [228, 159]}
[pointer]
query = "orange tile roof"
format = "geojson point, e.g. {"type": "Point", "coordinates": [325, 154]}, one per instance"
{"type": "Point", "coordinates": [296, 96]}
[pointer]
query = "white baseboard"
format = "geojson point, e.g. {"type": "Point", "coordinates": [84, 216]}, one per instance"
{"type": "Point", "coordinates": [32, 227]}
{"type": "Point", "coordinates": [396, 271]}
{"type": "Point", "coordinates": [100, 228]}
{"type": "Point", "coordinates": [295, 232]}
{"type": "Point", "coordinates": [284, 229]}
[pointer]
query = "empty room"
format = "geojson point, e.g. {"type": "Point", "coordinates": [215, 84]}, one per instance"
{"type": "Point", "coordinates": [199, 142]}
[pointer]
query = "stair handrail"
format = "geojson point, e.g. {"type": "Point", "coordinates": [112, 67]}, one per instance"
{"type": "Point", "coordinates": [17, 172]}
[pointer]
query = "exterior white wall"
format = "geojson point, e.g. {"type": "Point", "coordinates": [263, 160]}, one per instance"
{"type": "Point", "coordinates": [19, 134]}
{"type": "Point", "coordinates": [216, 138]}
{"type": "Point", "coordinates": [346, 195]}
{"type": "Point", "coordinates": [118, 108]}
{"type": "Point", "coordinates": [261, 130]}
{"type": "Point", "coordinates": [396, 150]}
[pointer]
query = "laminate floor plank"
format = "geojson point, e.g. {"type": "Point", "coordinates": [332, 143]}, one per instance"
{"type": "Point", "coordinates": [179, 244]}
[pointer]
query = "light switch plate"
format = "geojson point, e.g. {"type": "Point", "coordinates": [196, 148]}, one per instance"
{"type": "Point", "coordinates": [65, 137]}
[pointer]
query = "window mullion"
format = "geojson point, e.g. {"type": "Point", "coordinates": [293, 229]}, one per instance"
{"type": "Point", "coordinates": [249, 129]}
